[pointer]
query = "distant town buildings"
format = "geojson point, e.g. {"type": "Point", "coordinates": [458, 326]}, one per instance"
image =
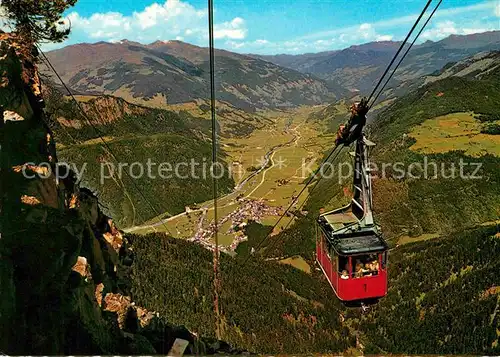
{"type": "Point", "coordinates": [249, 210]}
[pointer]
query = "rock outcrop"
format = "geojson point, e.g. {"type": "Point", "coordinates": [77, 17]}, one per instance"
{"type": "Point", "coordinates": [63, 264]}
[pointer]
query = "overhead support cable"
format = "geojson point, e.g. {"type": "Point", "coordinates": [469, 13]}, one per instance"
{"type": "Point", "coordinates": [336, 147]}
{"type": "Point", "coordinates": [309, 193]}
{"type": "Point", "coordinates": [399, 50]}
{"type": "Point", "coordinates": [406, 52]}
{"type": "Point", "coordinates": [218, 329]}
{"type": "Point", "coordinates": [295, 200]}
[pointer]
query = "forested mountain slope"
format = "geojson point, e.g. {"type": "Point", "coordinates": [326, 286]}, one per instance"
{"type": "Point", "coordinates": [135, 134]}
{"type": "Point", "coordinates": [448, 123]}
{"type": "Point", "coordinates": [266, 307]}
{"type": "Point", "coordinates": [423, 139]}
{"type": "Point", "coordinates": [444, 298]}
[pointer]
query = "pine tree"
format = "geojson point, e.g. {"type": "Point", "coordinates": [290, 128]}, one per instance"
{"type": "Point", "coordinates": [38, 21]}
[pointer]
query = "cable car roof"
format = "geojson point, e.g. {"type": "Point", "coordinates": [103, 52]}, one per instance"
{"type": "Point", "coordinates": [353, 241]}
{"type": "Point", "coordinates": [358, 245]}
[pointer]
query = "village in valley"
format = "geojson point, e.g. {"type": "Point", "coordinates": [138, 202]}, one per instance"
{"type": "Point", "coordinates": [268, 170]}
{"type": "Point", "coordinates": [249, 210]}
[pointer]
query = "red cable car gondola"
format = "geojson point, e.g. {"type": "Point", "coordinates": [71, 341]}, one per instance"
{"type": "Point", "coordinates": [350, 248]}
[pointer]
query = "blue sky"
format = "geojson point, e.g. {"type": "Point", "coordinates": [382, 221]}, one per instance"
{"type": "Point", "coordinates": [274, 26]}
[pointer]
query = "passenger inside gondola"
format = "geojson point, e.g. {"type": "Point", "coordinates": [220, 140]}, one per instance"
{"type": "Point", "coordinates": [375, 267]}
{"type": "Point", "coordinates": [343, 267]}
{"type": "Point", "coordinates": [366, 266]}
{"type": "Point", "coordinates": [358, 272]}
{"type": "Point", "coordinates": [345, 275]}
{"type": "Point", "coordinates": [367, 270]}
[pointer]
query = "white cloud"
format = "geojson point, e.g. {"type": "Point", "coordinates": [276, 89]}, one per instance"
{"type": "Point", "coordinates": [446, 28]}
{"type": "Point", "coordinates": [366, 31]}
{"type": "Point", "coordinates": [158, 14]}
{"type": "Point", "coordinates": [384, 38]}
{"type": "Point", "coordinates": [450, 21]}
{"type": "Point", "coordinates": [483, 7]}
{"type": "Point", "coordinates": [440, 30]}
{"type": "Point", "coordinates": [234, 29]}
{"type": "Point", "coordinates": [178, 19]}
{"type": "Point", "coordinates": [172, 19]}
{"type": "Point", "coordinates": [99, 26]}
{"type": "Point", "coordinates": [236, 45]}
{"type": "Point", "coordinates": [262, 42]}
{"type": "Point", "coordinates": [363, 33]}
{"type": "Point", "coordinates": [469, 31]}
{"type": "Point", "coordinates": [486, 5]}
{"type": "Point", "coordinates": [262, 45]}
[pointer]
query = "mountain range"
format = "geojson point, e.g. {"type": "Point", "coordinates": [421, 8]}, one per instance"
{"type": "Point", "coordinates": [170, 72]}
{"type": "Point", "coordinates": [357, 68]}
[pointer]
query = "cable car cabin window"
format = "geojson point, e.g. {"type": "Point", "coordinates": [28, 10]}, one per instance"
{"type": "Point", "coordinates": [343, 267]}
{"type": "Point", "coordinates": [384, 260]}
{"type": "Point", "coordinates": [365, 265]}
{"type": "Point", "coordinates": [334, 261]}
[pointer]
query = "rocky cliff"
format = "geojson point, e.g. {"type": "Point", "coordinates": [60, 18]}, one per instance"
{"type": "Point", "coordinates": [63, 263]}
